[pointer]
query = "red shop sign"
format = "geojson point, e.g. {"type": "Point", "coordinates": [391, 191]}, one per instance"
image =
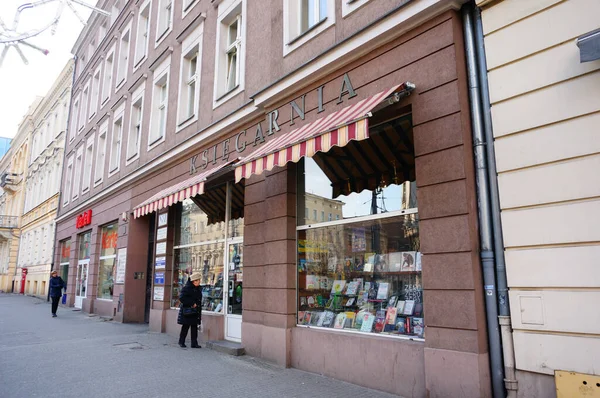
{"type": "Point", "coordinates": [109, 240]}
{"type": "Point", "coordinates": [84, 219]}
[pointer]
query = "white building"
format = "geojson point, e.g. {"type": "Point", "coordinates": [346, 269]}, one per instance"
{"type": "Point", "coordinates": [42, 183]}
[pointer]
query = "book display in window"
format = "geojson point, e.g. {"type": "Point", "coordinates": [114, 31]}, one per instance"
{"type": "Point", "coordinates": [362, 277]}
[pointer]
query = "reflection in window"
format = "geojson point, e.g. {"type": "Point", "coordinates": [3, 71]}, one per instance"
{"type": "Point", "coordinates": [108, 258]}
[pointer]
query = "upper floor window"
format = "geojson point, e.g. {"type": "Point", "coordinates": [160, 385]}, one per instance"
{"type": "Point", "coordinates": [68, 181]}
{"type": "Point", "coordinates": [305, 19]}
{"type": "Point", "coordinates": [116, 140]}
{"type": "Point", "coordinates": [83, 107]}
{"type": "Point", "coordinates": [165, 19]}
{"type": "Point", "coordinates": [74, 116]}
{"type": "Point", "coordinates": [87, 166]}
{"type": "Point", "coordinates": [187, 6]}
{"type": "Point", "coordinates": [108, 75]}
{"type": "Point", "coordinates": [123, 56]}
{"type": "Point", "coordinates": [100, 154]}
{"type": "Point", "coordinates": [135, 125]}
{"type": "Point", "coordinates": [230, 60]}
{"type": "Point", "coordinates": [189, 89]}
{"type": "Point", "coordinates": [95, 92]}
{"type": "Point", "coordinates": [115, 11]}
{"type": "Point", "coordinates": [160, 99]}
{"type": "Point", "coordinates": [143, 31]}
{"type": "Point", "coordinates": [77, 170]}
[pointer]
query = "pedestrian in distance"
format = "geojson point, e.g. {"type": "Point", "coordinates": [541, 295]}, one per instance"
{"type": "Point", "coordinates": [56, 286]}
{"type": "Point", "coordinates": [190, 310]}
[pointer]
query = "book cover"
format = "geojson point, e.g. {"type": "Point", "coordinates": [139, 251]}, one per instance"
{"type": "Point", "coordinates": [379, 322]}
{"type": "Point", "coordinates": [358, 321]}
{"type": "Point", "coordinates": [349, 322]}
{"type": "Point", "coordinates": [390, 316]}
{"type": "Point", "coordinates": [321, 318]}
{"type": "Point", "coordinates": [301, 317]}
{"type": "Point", "coordinates": [400, 322]}
{"type": "Point", "coordinates": [418, 266]}
{"type": "Point", "coordinates": [307, 316]}
{"type": "Point", "coordinates": [367, 323]}
{"type": "Point", "coordinates": [409, 307]}
{"type": "Point", "coordinates": [311, 301]}
{"type": "Point", "coordinates": [382, 291]}
{"type": "Point", "coordinates": [418, 310]}
{"type": "Point", "coordinates": [302, 265]}
{"type": "Point", "coordinates": [325, 283]}
{"type": "Point", "coordinates": [312, 282]}
{"type": "Point", "coordinates": [418, 326]}
{"type": "Point", "coordinates": [392, 301]}
{"type": "Point", "coordinates": [349, 264]}
{"type": "Point", "coordinates": [338, 286]}
{"type": "Point", "coordinates": [303, 302]}
{"type": "Point", "coordinates": [316, 316]}
{"type": "Point", "coordinates": [331, 264]}
{"type": "Point", "coordinates": [340, 319]}
{"type": "Point", "coordinates": [344, 301]}
{"type": "Point", "coordinates": [407, 325]}
{"type": "Point", "coordinates": [368, 267]}
{"type": "Point", "coordinates": [389, 328]}
{"type": "Point", "coordinates": [362, 299]}
{"type": "Point", "coordinates": [400, 306]}
{"type": "Point", "coordinates": [328, 319]}
{"type": "Point", "coordinates": [381, 264]}
{"type": "Point", "coordinates": [320, 301]}
{"type": "Point", "coordinates": [352, 288]}
{"type": "Point", "coordinates": [408, 261]}
{"type": "Point", "coordinates": [350, 301]}
{"type": "Point", "coordinates": [395, 261]}
{"type": "Point", "coordinates": [373, 291]}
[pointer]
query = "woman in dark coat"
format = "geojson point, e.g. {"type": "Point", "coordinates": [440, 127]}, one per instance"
{"type": "Point", "coordinates": [190, 297]}
{"type": "Point", "coordinates": [56, 287]}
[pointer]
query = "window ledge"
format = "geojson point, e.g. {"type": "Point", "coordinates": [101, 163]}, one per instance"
{"type": "Point", "coordinates": [227, 93]}
{"type": "Point", "coordinates": [364, 334]}
{"type": "Point", "coordinates": [185, 121]}
{"type": "Point", "coordinates": [307, 32]}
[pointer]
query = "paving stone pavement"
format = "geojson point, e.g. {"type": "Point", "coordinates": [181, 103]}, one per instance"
{"type": "Point", "coordinates": [77, 355]}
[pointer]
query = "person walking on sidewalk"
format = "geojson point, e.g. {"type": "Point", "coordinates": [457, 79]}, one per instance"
{"type": "Point", "coordinates": [190, 310]}
{"type": "Point", "coordinates": [56, 287]}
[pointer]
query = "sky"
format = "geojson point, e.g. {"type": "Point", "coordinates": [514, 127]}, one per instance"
{"type": "Point", "coordinates": [20, 83]}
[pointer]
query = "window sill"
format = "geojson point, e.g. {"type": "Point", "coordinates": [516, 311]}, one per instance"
{"type": "Point", "coordinates": [187, 9]}
{"type": "Point", "coordinates": [364, 334]}
{"type": "Point", "coordinates": [186, 121]}
{"type": "Point", "coordinates": [132, 159]}
{"type": "Point", "coordinates": [139, 62]}
{"type": "Point", "coordinates": [120, 84]}
{"type": "Point", "coordinates": [162, 36]}
{"type": "Point", "coordinates": [224, 97]}
{"type": "Point", "coordinates": [307, 32]}
{"type": "Point", "coordinates": [98, 182]}
{"type": "Point", "coordinates": [155, 143]}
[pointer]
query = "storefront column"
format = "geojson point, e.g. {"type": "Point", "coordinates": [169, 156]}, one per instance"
{"type": "Point", "coordinates": [131, 296]}
{"type": "Point", "coordinates": [269, 305]}
{"type": "Point", "coordinates": [456, 350]}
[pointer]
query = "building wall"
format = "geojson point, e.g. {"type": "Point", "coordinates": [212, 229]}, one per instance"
{"type": "Point", "coordinates": [545, 114]}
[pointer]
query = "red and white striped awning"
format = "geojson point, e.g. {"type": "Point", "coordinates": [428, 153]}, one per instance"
{"type": "Point", "coordinates": [336, 129]}
{"type": "Point", "coordinates": [177, 193]}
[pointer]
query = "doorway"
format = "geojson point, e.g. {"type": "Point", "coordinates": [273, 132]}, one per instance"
{"type": "Point", "coordinates": [149, 266]}
{"type": "Point", "coordinates": [81, 282]}
{"type": "Point", "coordinates": [235, 277]}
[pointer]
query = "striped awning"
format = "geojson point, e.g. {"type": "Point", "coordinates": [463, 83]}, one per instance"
{"type": "Point", "coordinates": [177, 193]}
{"type": "Point", "coordinates": [337, 129]}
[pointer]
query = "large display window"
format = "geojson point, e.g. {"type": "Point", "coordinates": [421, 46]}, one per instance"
{"type": "Point", "coordinates": [65, 256]}
{"type": "Point", "coordinates": [108, 258]}
{"type": "Point", "coordinates": [359, 260]}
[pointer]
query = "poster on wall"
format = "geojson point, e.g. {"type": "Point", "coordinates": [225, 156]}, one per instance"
{"type": "Point", "coordinates": [159, 293]}
{"type": "Point", "coordinates": [121, 262]}
{"type": "Point", "coordinates": [159, 278]}
{"type": "Point", "coordinates": [359, 241]}
{"type": "Point", "coordinates": [162, 219]}
{"type": "Point", "coordinates": [161, 234]}
{"type": "Point", "coordinates": [161, 248]}
{"type": "Point", "coordinates": [160, 262]}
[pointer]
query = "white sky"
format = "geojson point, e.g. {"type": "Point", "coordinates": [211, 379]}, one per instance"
{"type": "Point", "coordinates": [20, 83]}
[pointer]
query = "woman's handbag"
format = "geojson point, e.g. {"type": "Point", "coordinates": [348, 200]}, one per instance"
{"type": "Point", "coordinates": [189, 312]}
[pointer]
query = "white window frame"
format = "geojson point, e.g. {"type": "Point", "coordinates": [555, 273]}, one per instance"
{"type": "Point", "coordinates": [88, 163]}
{"type": "Point", "coordinates": [134, 134]}
{"type": "Point", "coordinates": [68, 180]}
{"type": "Point", "coordinates": [161, 75]}
{"type": "Point", "coordinates": [191, 47]}
{"type": "Point", "coordinates": [349, 6]}
{"type": "Point", "coordinates": [74, 117]}
{"type": "Point", "coordinates": [108, 81]}
{"type": "Point", "coordinates": [185, 9]}
{"type": "Point", "coordinates": [77, 172]}
{"type": "Point", "coordinates": [85, 97]}
{"type": "Point", "coordinates": [100, 150]}
{"type": "Point", "coordinates": [293, 36]}
{"type": "Point", "coordinates": [228, 12]}
{"type": "Point", "coordinates": [164, 27]}
{"type": "Point", "coordinates": [123, 61]}
{"type": "Point", "coordinates": [141, 41]}
{"type": "Point", "coordinates": [95, 94]}
{"type": "Point", "coordinates": [116, 139]}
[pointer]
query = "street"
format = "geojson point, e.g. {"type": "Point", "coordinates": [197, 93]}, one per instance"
{"type": "Point", "coordinates": [76, 355]}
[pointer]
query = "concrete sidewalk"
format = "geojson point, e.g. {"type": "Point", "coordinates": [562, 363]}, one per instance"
{"type": "Point", "coordinates": [75, 355]}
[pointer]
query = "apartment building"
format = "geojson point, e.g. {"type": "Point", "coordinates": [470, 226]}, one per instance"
{"type": "Point", "coordinates": [13, 170]}
{"type": "Point", "coordinates": [200, 132]}
{"type": "Point", "coordinates": [42, 183]}
{"type": "Point", "coordinates": [544, 79]}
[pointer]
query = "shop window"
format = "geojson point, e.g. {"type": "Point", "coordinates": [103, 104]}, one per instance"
{"type": "Point", "coordinates": [107, 260]}
{"type": "Point", "coordinates": [85, 240]}
{"type": "Point", "coordinates": [363, 272]}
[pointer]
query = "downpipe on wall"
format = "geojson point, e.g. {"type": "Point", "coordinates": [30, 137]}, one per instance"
{"type": "Point", "coordinates": [510, 380]}
{"type": "Point", "coordinates": [483, 207]}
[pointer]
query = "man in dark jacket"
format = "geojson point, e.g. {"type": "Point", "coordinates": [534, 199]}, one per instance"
{"type": "Point", "coordinates": [56, 287]}
{"type": "Point", "coordinates": [190, 310]}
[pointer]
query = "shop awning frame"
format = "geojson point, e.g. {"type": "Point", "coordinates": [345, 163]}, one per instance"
{"type": "Point", "coordinates": [177, 193]}
{"type": "Point", "coordinates": [350, 123]}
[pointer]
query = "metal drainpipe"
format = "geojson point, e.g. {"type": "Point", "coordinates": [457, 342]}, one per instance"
{"type": "Point", "coordinates": [510, 381]}
{"type": "Point", "coordinates": [484, 209]}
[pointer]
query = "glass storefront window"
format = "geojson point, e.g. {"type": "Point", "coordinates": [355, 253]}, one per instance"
{"type": "Point", "coordinates": [359, 260]}
{"type": "Point", "coordinates": [85, 245]}
{"type": "Point", "coordinates": [108, 258]}
{"type": "Point", "coordinates": [199, 247]}
{"type": "Point", "coordinates": [65, 255]}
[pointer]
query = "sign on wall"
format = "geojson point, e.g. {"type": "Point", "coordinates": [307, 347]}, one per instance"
{"type": "Point", "coordinates": [161, 248]}
{"type": "Point", "coordinates": [84, 219]}
{"type": "Point", "coordinates": [121, 263]}
{"type": "Point", "coordinates": [161, 234]}
{"type": "Point", "coordinates": [159, 293]}
{"type": "Point", "coordinates": [159, 278]}
{"type": "Point", "coordinates": [160, 262]}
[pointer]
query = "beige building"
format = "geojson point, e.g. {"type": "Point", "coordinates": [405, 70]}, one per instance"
{"type": "Point", "coordinates": [545, 106]}
{"type": "Point", "coordinates": [42, 182]}
{"type": "Point", "coordinates": [13, 170]}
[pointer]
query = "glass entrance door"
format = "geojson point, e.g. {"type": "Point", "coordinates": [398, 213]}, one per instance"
{"type": "Point", "coordinates": [234, 293]}
{"type": "Point", "coordinates": [81, 282]}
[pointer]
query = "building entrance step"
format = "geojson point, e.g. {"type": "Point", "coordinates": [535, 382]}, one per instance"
{"type": "Point", "coordinates": [228, 347]}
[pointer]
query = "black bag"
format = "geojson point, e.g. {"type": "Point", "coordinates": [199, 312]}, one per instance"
{"type": "Point", "coordinates": [189, 312]}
